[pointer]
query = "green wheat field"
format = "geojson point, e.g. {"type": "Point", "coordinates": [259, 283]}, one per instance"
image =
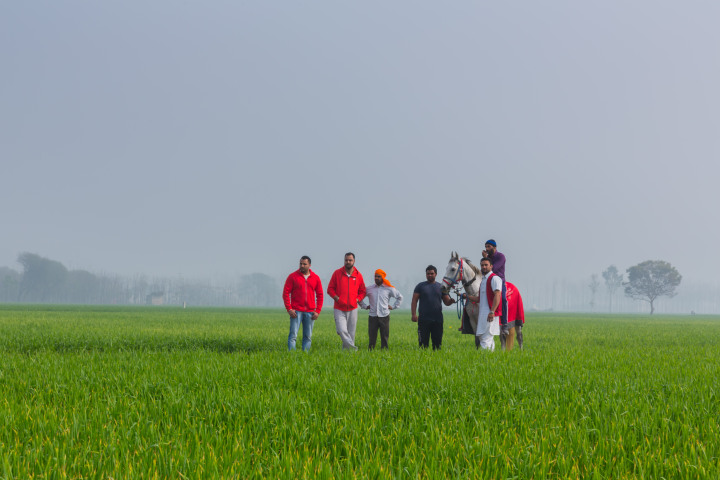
{"type": "Point", "coordinates": [105, 392]}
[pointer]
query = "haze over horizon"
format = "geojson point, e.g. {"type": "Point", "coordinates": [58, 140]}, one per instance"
{"type": "Point", "coordinates": [203, 139]}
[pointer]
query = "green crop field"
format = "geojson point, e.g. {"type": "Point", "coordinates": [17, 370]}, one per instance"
{"type": "Point", "coordinates": [102, 392]}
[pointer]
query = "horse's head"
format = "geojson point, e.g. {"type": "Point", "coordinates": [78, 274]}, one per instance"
{"type": "Point", "coordinates": [453, 272]}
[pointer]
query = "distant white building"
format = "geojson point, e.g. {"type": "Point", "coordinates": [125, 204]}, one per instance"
{"type": "Point", "coordinates": [156, 298]}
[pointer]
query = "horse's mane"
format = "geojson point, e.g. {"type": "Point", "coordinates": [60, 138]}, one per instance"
{"type": "Point", "coordinates": [474, 268]}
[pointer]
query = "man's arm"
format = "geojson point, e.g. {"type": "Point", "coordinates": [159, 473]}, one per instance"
{"type": "Point", "coordinates": [286, 297]}
{"type": "Point", "coordinates": [413, 306]}
{"type": "Point", "coordinates": [362, 303]}
{"type": "Point", "coordinates": [447, 300]}
{"type": "Point", "coordinates": [362, 291]}
{"type": "Point", "coordinates": [497, 297]}
{"type": "Point", "coordinates": [332, 286]}
{"type": "Point", "coordinates": [398, 299]}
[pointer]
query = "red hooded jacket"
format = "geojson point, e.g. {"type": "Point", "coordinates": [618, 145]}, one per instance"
{"type": "Point", "coordinates": [305, 295]}
{"type": "Point", "coordinates": [350, 289]}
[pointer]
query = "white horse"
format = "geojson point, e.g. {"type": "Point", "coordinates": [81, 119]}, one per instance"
{"type": "Point", "coordinates": [459, 269]}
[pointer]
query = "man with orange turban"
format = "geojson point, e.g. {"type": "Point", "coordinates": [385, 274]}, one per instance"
{"type": "Point", "coordinates": [379, 295]}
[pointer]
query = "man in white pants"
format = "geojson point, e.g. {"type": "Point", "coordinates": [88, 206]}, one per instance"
{"type": "Point", "coordinates": [490, 302]}
{"type": "Point", "coordinates": [347, 288]}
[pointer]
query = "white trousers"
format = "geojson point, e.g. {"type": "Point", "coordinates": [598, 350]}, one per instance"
{"type": "Point", "coordinates": [345, 325]}
{"type": "Point", "coordinates": [487, 330]}
{"type": "Point", "coordinates": [487, 341]}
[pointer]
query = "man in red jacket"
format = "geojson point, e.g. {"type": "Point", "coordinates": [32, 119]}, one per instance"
{"type": "Point", "coordinates": [303, 298]}
{"type": "Point", "coordinates": [347, 288]}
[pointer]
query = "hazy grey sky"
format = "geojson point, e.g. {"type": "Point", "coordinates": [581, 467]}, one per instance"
{"type": "Point", "coordinates": [204, 138]}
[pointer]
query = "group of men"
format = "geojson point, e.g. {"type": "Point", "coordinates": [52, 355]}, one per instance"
{"type": "Point", "coordinates": [303, 298]}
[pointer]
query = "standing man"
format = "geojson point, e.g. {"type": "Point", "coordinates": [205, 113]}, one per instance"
{"type": "Point", "coordinates": [430, 321]}
{"type": "Point", "coordinates": [347, 288]}
{"type": "Point", "coordinates": [488, 299]}
{"type": "Point", "coordinates": [379, 295]}
{"type": "Point", "coordinates": [303, 298]}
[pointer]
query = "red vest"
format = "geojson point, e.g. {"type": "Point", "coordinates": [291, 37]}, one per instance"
{"type": "Point", "coordinates": [491, 294]}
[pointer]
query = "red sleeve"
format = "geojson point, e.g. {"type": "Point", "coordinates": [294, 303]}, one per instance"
{"type": "Point", "coordinates": [286, 292]}
{"type": "Point", "coordinates": [362, 291]}
{"type": "Point", "coordinates": [332, 286]}
{"type": "Point", "coordinates": [319, 296]}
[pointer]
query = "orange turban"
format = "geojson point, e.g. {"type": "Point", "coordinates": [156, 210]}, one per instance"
{"type": "Point", "coordinates": [383, 275]}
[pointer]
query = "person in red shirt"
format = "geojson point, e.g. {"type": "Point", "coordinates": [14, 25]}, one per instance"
{"type": "Point", "coordinates": [303, 298]}
{"type": "Point", "coordinates": [347, 288]}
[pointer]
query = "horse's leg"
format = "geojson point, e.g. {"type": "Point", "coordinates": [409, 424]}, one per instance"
{"type": "Point", "coordinates": [511, 339]}
{"type": "Point", "coordinates": [472, 320]}
{"type": "Point", "coordinates": [518, 331]}
{"type": "Point", "coordinates": [506, 336]}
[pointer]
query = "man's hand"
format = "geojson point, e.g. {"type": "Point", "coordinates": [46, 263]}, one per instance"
{"type": "Point", "coordinates": [336, 298]}
{"type": "Point", "coordinates": [292, 313]}
{"type": "Point", "coordinates": [414, 318]}
{"type": "Point", "coordinates": [491, 317]}
{"type": "Point", "coordinates": [484, 253]}
{"type": "Point", "coordinates": [315, 315]}
{"type": "Point", "coordinates": [389, 307]}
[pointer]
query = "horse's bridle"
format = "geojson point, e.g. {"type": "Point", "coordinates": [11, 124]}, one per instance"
{"type": "Point", "coordinates": [458, 277]}
{"type": "Point", "coordinates": [459, 273]}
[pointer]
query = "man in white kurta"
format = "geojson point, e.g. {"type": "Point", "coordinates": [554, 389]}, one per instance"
{"type": "Point", "coordinates": [488, 324]}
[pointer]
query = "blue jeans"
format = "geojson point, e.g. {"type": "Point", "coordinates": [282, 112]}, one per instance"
{"type": "Point", "coordinates": [307, 323]}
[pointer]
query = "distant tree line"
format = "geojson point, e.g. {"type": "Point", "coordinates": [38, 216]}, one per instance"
{"type": "Point", "coordinates": [655, 283]}
{"type": "Point", "coordinates": [646, 281]}
{"type": "Point", "coordinates": [43, 280]}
